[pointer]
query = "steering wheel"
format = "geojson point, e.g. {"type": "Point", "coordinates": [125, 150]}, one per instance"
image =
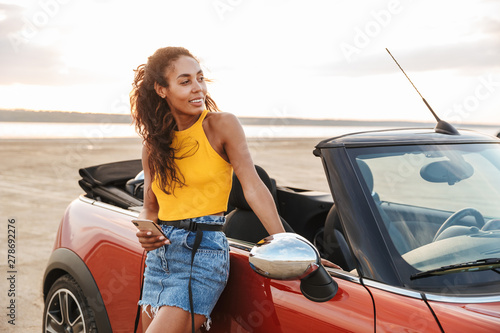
{"type": "Point", "coordinates": [457, 216]}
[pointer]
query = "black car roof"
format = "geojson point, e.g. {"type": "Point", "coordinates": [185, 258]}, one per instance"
{"type": "Point", "coordinates": [407, 136]}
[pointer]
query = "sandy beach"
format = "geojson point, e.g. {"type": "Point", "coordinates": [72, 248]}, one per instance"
{"type": "Point", "coordinates": [39, 179]}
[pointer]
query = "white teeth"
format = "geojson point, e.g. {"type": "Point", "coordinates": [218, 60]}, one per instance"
{"type": "Point", "coordinates": [196, 100]}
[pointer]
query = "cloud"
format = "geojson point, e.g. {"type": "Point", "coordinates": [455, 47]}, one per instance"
{"type": "Point", "coordinates": [22, 60]}
{"type": "Point", "coordinates": [489, 26]}
{"type": "Point", "coordinates": [467, 43]}
{"type": "Point", "coordinates": [91, 46]}
{"type": "Point", "coordinates": [29, 50]}
{"type": "Point", "coordinates": [475, 57]}
{"type": "Point", "coordinates": [17, 65]}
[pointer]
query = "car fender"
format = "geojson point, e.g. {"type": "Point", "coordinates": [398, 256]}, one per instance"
{"type": "Point", "coordinates": [474, 314]}
{"type": "Point", "coordinates": [64, 261]}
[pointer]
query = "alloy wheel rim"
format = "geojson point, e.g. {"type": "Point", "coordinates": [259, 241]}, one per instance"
{"type": "Point", "coordinates": [64, 314]}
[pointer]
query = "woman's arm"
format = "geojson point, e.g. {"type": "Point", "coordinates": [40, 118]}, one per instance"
{"type": "Point", "coordinates": [149, 210]}
{"type": "Point", "coordinates": [234, 144]}
{"type": "Point", "coordinates": [256, 193]}
{"type": "Point", "coordinates": [226, 131]}
{"type": "Point", "coordinates": [150, 206]}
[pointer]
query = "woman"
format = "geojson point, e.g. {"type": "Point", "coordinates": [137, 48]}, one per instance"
{"type": "Point", "coordinates": [189, 154]}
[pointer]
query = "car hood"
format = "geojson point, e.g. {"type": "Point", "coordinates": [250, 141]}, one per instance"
{"type": "Point", "coordinates": [476, 317]}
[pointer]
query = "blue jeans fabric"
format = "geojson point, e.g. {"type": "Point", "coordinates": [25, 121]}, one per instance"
{"type": "Point", "coordinates": [168, 269]}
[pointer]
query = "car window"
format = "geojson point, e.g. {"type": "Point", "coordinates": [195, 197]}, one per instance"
{"type": "Point", "coordinates": [397, 179]}
{"type": "Point", "coordinates": [438, 205]}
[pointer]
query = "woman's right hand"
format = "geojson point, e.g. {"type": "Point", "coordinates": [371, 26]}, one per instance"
{"type": "Point", "coordinates": [150, 242]}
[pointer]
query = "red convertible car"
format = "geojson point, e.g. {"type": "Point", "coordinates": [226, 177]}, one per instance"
{"type": "Point", "coordinates": [413, 219]}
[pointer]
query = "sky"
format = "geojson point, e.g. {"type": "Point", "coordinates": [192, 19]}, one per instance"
{"type": "Point", "coordinates": [280, 58]}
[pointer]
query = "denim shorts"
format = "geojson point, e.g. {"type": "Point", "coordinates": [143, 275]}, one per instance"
{"type": "Point", "coordinates": [168, 269]}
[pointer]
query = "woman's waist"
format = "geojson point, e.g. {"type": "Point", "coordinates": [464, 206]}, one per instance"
{"type": "Point", "coordinates": [217, 218]}
{"type": "Point", "coordinates": [204, 223]}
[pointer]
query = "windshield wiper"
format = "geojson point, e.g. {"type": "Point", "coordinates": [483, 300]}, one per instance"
{"type": "Point", "coordinates": [471, 266]}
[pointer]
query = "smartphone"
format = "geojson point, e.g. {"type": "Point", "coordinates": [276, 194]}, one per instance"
{"type": "Point", "coordinates": [148, 225]}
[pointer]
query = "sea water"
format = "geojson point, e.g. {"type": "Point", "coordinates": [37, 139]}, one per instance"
{"type": "Point", "coordinates": [41, 130]}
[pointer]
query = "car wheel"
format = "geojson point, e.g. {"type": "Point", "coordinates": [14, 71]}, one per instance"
{"type": "Point", "coordinates": [66, 309]}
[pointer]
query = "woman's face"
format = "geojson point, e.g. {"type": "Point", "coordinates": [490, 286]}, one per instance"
{"type": "Point", "coordinates": [186, 89]}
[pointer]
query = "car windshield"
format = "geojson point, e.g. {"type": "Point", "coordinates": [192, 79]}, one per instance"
{"type": "Point", "coordinates": [437, 205]}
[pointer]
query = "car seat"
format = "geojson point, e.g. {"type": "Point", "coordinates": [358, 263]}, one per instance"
{"type": "Point", "coordinates": [336, 248]}
{"type": "Point", "coordinates": [106, 182]}
{"type": "Point", "coordinates": [135, 186]}
{"type": "Point", "coordinates": [242, 223]}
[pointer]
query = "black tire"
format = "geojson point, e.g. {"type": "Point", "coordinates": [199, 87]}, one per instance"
{"type": "Point", "coordinates": [66, 309]}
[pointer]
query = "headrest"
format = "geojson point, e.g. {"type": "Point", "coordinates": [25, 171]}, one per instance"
{"type": "Point", "coordinates": [237, 198]}
{"type": "Point", "coordinates": [367, 174]}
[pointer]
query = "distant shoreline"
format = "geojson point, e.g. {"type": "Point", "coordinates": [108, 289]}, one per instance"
{"type": "Point", "coordinates": [77, 117]}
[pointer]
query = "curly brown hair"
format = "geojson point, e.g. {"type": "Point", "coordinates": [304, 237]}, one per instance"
{"type": "Point", "coordinates": [153, 119]}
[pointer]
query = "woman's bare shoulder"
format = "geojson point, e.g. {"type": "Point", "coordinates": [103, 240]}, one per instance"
{"type": "Point", "coordinates": [224, 127]}
{"type": "Point", "coordinates": [221, 117]}
{"type": "Point", "coordinates": [222, 121]}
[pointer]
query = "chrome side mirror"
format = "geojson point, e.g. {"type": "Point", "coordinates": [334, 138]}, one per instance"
{"type": "Point", "coordinates": [289, 256]}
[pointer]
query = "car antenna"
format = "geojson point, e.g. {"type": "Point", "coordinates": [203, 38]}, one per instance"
{"type": "Point", "coordinates": [441, 126]}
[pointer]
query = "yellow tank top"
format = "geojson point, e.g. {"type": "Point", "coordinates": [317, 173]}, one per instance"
{"type": "Point", "coordinates": [207, 177]}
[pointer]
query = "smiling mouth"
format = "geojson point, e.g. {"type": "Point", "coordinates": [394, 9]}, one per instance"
{"type": "Point", "coordinates": [198, 100]}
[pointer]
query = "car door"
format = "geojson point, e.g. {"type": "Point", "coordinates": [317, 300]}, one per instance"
{"type": "Point", "coordinates": [252, 303]}
{"type": "Point", "coordinates": [401, 310]}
